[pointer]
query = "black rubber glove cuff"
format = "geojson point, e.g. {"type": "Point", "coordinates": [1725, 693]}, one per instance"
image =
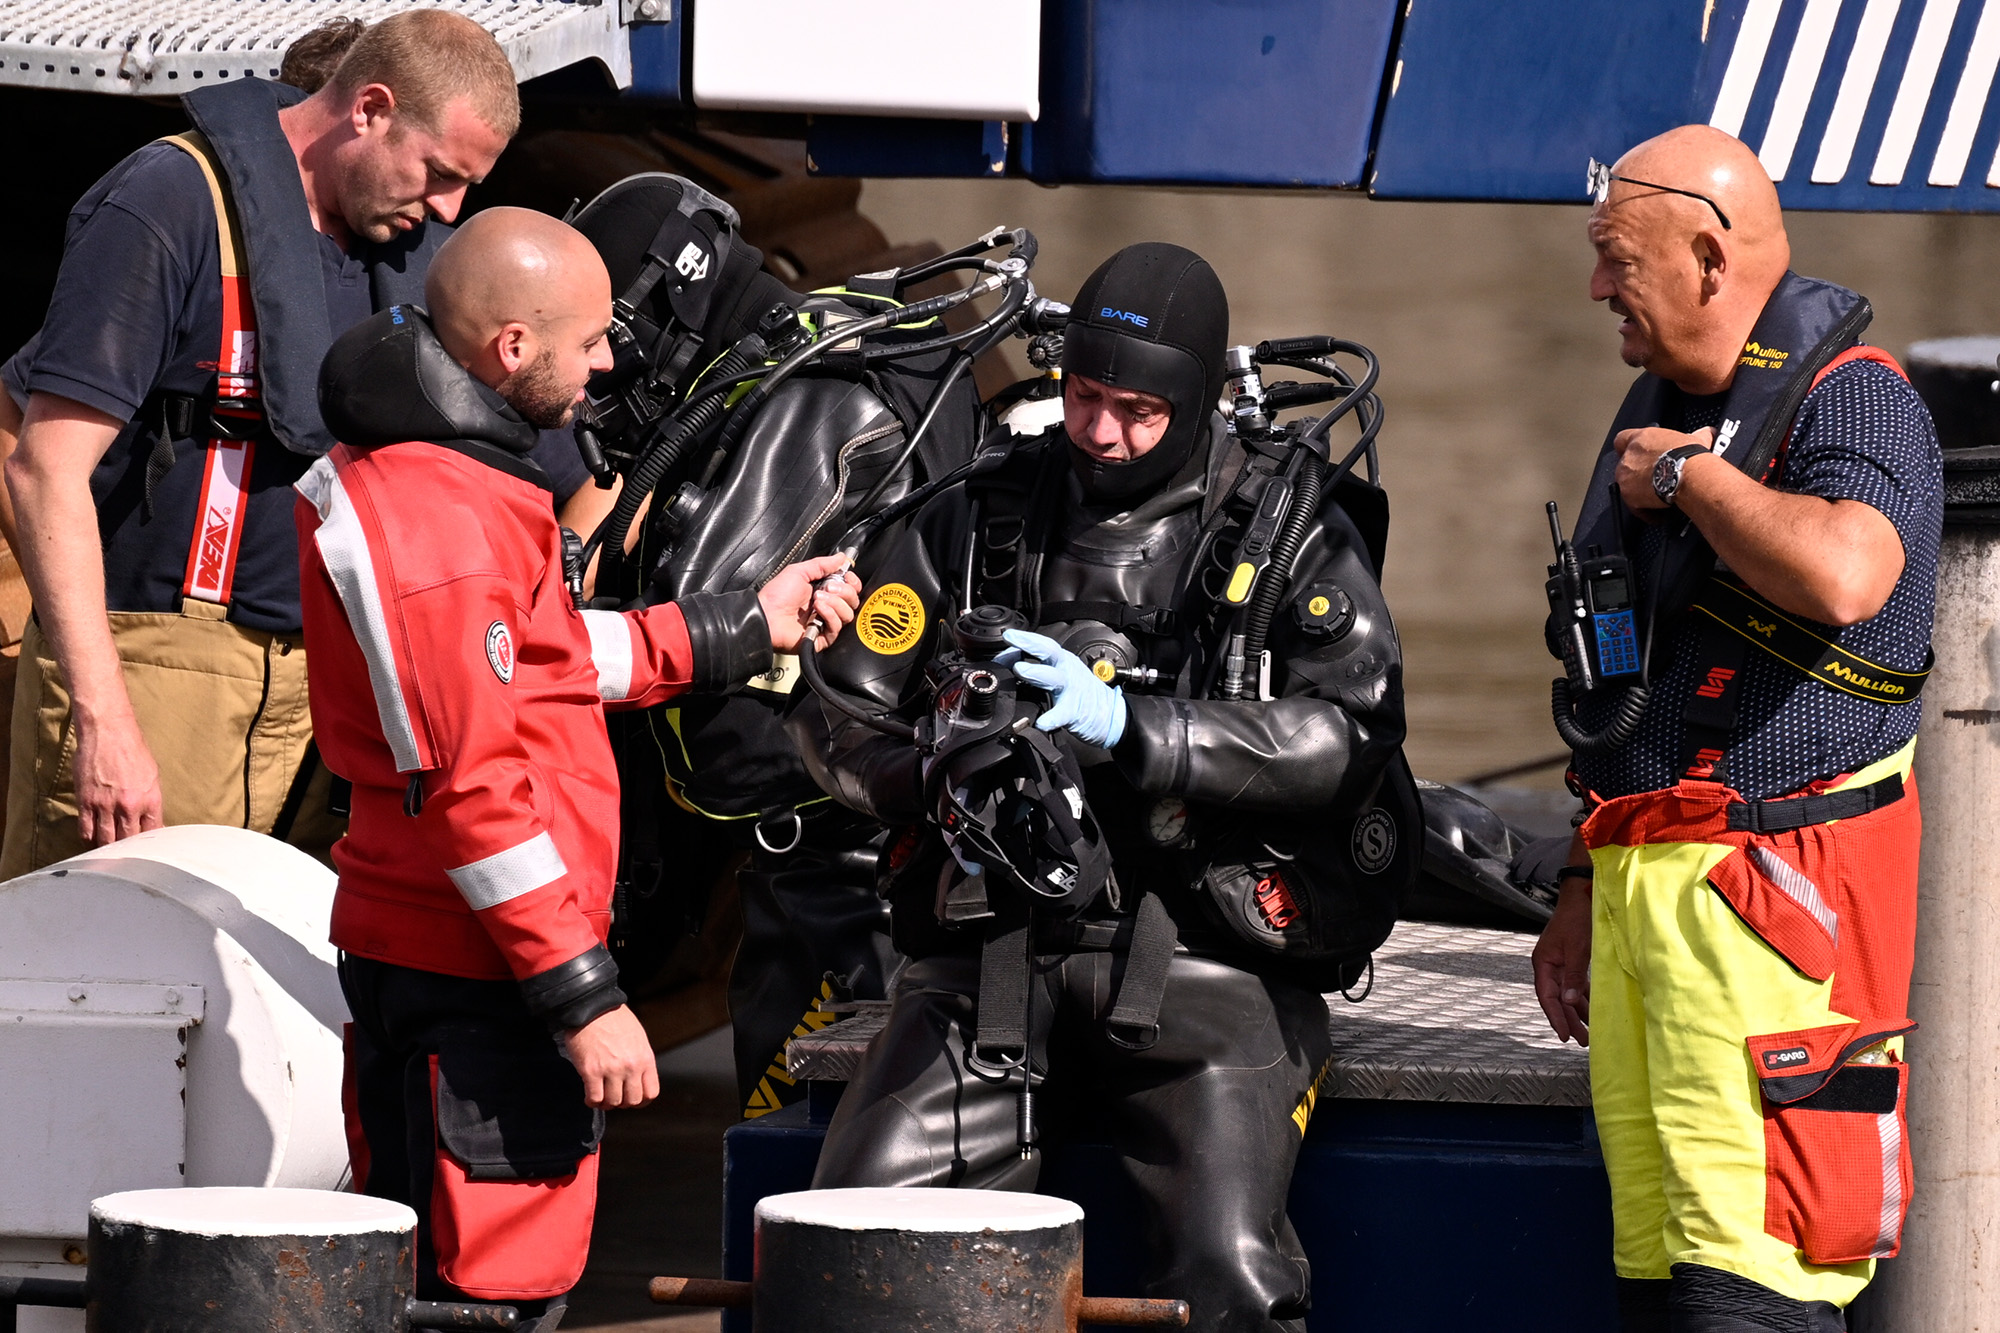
{"type": "Point", "coordinates": [569, 995]}
{"type": "Point", "coordinates": [729, 636]}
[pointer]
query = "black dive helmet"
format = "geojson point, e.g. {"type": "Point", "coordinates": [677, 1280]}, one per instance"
{"type": "Point", "coordinates": [685, 287]}
{"type": "Point", "coordinates": [1153, 317]}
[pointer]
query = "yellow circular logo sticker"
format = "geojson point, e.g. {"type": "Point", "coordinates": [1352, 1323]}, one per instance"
{"type": "Point", "coordinates": [1105, 670]}
{"type": "Point", "coordinates": [1318, 606]}
{"type": "Point", "coordinates": [891, 620]}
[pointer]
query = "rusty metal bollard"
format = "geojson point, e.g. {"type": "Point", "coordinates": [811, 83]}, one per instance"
{"type": "Point", "coordinates": [955, 1261]}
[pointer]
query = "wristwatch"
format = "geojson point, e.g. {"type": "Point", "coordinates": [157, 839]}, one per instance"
{"type": "Point", "coordinates": [1667, 471]}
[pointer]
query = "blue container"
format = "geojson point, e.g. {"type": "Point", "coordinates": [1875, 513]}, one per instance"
{"type": "Point", "coordinates": [1417, 1216]}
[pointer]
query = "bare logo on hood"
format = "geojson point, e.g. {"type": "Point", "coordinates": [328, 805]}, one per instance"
{"type": "Point", "coordinates": [693, 263]}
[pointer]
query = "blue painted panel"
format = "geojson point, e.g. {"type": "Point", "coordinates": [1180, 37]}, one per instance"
{"type": "Point", "coordinates": [1514, 1198]}
{"type": "Point", "coordinates": [1238, 92]}
{"type": "Point", "coordinates": [1508, 99]}
{"type": "Point", "coordinates": [1838, 127]}
{"type": "Point", "coordinates": [658, 53]}
{"type": "Point", "coordinates": [896, 146]}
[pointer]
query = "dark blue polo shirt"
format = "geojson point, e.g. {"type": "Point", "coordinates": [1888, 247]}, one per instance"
{"type": "Point", "coordinates": [1863, 434]}
{"type": "Point", "coordinates": [137, 311]}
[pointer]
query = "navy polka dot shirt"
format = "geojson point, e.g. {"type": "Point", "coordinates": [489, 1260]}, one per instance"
{"type": "Point", "coordinates": [1862, 434]}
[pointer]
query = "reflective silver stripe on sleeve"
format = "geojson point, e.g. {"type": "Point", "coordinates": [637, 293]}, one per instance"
{"type": "Point", "coordinates": [611, 652]}
{"type": "Point", "coordinates": [1890, 1130]}
{"type": "Point", "coordinates": [1796, 887]}
{"type": "Point", "coordinates": [507, 875]}
{"type": "Point", "coordinates": [343, 546]}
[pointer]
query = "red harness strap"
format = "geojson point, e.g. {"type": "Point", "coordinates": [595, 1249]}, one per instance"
{"type": "Point", "coordinates": [225, 481]}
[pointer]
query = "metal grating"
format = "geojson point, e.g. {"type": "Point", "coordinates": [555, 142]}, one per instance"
{"type": "Point", "coordinates": [1452, 1017]}
{"type": "Point", "coordinates": [162, 48]}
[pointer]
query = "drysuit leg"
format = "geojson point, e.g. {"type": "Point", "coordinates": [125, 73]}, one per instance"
{"type": "Point", "coordinates": [918, 1112]}
{"type": "Point", "coordinates": [461, 1106]}
{"type": "Point", "coordinates": [809, 913]}
{"type": "Point", "coordinates": [1208, 1123]}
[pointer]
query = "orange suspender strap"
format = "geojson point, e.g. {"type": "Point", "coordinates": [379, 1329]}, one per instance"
{"type": "Point", "coordinates": [1858, 352]}
{"type": "Point", "coordinates": [225, 481]}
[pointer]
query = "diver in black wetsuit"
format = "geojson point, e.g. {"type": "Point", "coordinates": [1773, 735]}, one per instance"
{"type": "Point", "coordinates": [1141, 897]}
{"type": "Point", "coordinates": [831, 439]}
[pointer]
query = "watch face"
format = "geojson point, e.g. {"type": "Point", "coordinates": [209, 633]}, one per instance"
{"type": "Point", "coordinates": [1666, 477]}
{"type": "Point", "coordinates": [1166, 823]}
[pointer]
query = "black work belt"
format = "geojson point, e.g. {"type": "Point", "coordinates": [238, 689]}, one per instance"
{"type": "Point", "coordinates": [1743, 612]}
{"type": "Point", "coordinates": [1801, 811]}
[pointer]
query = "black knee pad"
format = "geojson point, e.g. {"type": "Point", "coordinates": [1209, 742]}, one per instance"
{"type": "Point", "coordinates": [1642, 1304]}
{"type": "Point", "coordinates": [1709, 1300]}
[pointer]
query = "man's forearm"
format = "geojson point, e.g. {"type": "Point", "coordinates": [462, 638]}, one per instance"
{"type": "Point", "coordinates": [56, 520]}
{"type": "Point", "coordinates": [10, 436]}
{"type": "Point", "coordinates": [1834, 561]}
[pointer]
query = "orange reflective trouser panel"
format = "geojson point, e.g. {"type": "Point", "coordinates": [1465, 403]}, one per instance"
{"type": "Point", "coordinates": [1749, 996]}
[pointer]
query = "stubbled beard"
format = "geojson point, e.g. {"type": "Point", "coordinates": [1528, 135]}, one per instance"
{"type": "Point", "coordinates": [537, 392]}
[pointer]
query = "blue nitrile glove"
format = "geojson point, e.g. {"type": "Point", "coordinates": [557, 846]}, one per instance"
{"type": "Point", "coordinates": [1093, 711]}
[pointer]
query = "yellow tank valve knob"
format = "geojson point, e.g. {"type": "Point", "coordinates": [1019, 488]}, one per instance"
{"type": "Point", "coordinates": [1105, 670]}
{"type": "Point", "coordinates": [1319, 606]}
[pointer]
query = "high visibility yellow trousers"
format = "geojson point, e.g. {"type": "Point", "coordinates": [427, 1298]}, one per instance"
{"type": "Point", "coordinates": [1748, 999]}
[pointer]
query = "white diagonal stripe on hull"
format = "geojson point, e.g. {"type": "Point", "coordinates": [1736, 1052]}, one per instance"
{"type": "Point", "coordinates": [1795, 92]}
{"type": "Point", "coordinates": [1746, 62]}
{"type": "Point", "coordinates": [1975, 85]}
{"type": "Point", "coordinates": [1864, 64]}
{"type": "Point", "coordinates": [1906, 117]}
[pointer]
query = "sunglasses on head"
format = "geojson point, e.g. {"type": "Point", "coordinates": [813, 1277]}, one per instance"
{"type": "Point", "coordinates": [1597, 187]}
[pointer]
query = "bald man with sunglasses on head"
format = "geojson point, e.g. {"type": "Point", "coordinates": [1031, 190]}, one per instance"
{"type": "Point", "coordinates": [1734, 931]}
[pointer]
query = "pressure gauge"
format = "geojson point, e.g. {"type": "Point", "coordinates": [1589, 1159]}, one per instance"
{"type": "Point", "coordinates": [1166, 823]}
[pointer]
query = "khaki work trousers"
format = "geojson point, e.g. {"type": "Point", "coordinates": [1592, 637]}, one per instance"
{"type": "Point", "coordinates": [223, 709]}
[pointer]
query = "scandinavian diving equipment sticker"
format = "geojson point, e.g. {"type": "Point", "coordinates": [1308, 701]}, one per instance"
{"type": "Point", "coordinates": [891, 620]}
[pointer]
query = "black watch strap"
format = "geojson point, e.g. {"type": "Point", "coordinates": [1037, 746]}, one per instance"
{"type": "Point", "coordinates": [1679, 454]}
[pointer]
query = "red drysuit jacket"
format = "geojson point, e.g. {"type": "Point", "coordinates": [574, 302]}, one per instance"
{"type": "Point", "coordinates": [446, 650]}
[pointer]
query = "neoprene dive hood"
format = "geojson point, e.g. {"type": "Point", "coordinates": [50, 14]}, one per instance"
{"type": "Point", "coordinates": [1153, 317]}
{"type": "Point", "coordinates": [684, 280]}
{"type": "Point", "coordinates": [388, 379]}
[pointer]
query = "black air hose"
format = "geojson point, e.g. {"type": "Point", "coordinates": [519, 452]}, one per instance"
{"type": "Point", "coordinates": [660, 457]}
{"type": "Point", "coordinates": [1623, 727]}
{"type": "Point", "coordinates": [1284, 553]}
{"type": "Point", "coordinates": [816, 679]}
{"type": "Point", "coordinates": [746, 410]}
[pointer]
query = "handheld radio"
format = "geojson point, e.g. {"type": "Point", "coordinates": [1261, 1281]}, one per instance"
{"type": "Point", "coordinates": [1592, 599]}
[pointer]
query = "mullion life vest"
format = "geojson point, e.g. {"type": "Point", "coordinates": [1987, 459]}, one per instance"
{"type": "Point", "coordinates": [237, 413]}
{"type": "Point", "coordinates": [1807, 329]}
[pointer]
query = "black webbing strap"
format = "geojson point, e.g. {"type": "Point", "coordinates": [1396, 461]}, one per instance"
{"type": "Point", "coordinates": [1120, 616]}
{"type": "Point", "coordinates": [1802, 811]}
{"type": "Point", "coordinates": [1002, 1019]}
{"type": "Point", "coordinates": [1135, 1019]}
{"type": "Point", "coordinates": [1764, 626]}
{"type": "Point", "coordinates": [1708, 721]}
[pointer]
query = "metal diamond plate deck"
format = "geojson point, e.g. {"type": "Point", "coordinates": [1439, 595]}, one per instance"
{"type": "Point", "coordinates": [1451, 1018]}
{"type": "Point", "coordinates": [162, 48]}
